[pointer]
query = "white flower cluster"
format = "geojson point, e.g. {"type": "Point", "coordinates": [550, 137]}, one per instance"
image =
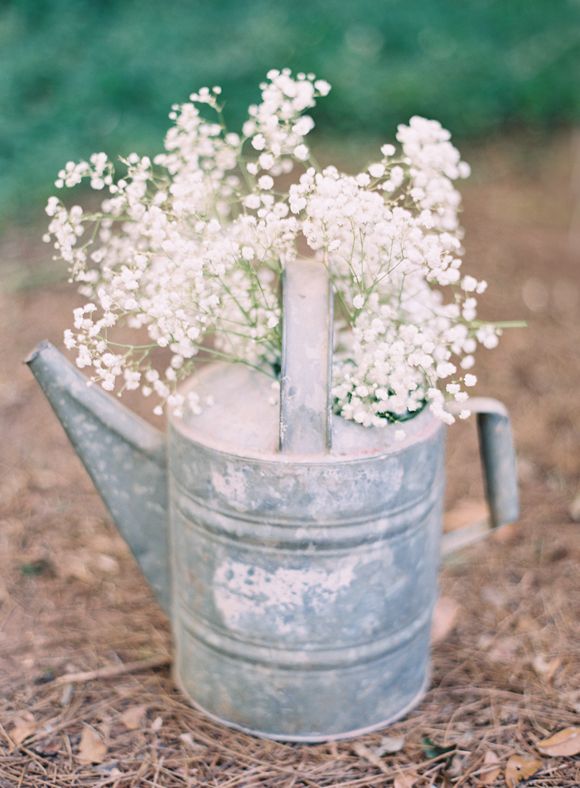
{"type": "Point", "coordinates": [188, 248]}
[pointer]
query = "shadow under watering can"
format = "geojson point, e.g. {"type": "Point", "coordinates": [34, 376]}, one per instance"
{"type": "Point", "coordinates": [295, 552]}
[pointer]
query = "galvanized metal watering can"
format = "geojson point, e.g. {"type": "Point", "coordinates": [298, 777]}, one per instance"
{"type": "Point", "coordinates": [295, 552]}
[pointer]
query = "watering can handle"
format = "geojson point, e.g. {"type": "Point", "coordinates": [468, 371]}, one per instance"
{"type": "Point", "coordinates": [498, 459]}
{"type": "Point", "coordinates": [307, 339]}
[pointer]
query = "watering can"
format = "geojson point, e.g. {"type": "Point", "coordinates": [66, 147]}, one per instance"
{"type": "Point", "coordinates": [295, 552]}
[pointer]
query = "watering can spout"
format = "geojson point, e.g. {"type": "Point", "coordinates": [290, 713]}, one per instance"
{"type": "Point", "coordinates": [124, 456]}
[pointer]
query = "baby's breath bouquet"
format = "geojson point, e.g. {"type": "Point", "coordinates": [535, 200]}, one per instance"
{"type": "Point", "coordinates": [187, 250]}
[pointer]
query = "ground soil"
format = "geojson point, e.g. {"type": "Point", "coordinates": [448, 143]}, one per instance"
{"type": "Point", "coordinates": [504, 677]}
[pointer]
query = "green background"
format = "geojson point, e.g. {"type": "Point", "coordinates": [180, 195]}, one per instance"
{"type": "Point", "coordinates": [78, 76]}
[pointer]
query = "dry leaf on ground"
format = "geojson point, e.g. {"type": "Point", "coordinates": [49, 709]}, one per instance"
{"type": "Point", "coordinates": [466, 512]}
{"type": "Point", "coordinates": [75, 567]}
{"type": "Point", "coordinates": [492, 769]}
{"type": "Point", "coordinates": [574, 509]}
{"type": "Point", "coordinates": [504, 650]}
{"type": "Point", "coordinates": [406, 779]}
{"type": "Point", "coordinates": [520, 767]}
{"type": "Point", "coordinates": [492, 595]}
{"type": "Point", "coordinates": [444, 618]}
{"type": "Point", "coordinates": [546, 668]}
{"type": "Point", "coordinates": [188, 740]}
{"type": "Point", "coordinates": [456, 766]}
{"type": "Point", "coordinates": [389, 745]}
{"type": "Point", "coordinates": [92, 749]}
{"type": "Point", "coordinates": [23, 727]}
{"type": "Point", "coordinates": [132, 718]}
{"type": "Point", "coordinates": [107, 563]}
{"type": "Point", "coordinates": [364, 752]}
{"type": "Point", "coordinates": [564, 743]}
{"type": "Point", "coordinates": [506, 533]}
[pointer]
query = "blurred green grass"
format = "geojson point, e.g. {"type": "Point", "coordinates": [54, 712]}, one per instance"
{"type": "Point", "coordinates": [84, 75]}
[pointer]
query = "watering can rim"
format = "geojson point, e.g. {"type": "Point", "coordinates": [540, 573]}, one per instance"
{"type": "Point", "coordinates": [422, 427]}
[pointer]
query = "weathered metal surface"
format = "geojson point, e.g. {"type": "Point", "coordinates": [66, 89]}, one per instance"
{"type": "Point", "coordinates": [125, 458]}
{"type": "Point", "coordinates": [305, 383]}
{"type": "Point", "coordinates": [303, 587]}
{"type": "Point", "coordinates": [302, 580]}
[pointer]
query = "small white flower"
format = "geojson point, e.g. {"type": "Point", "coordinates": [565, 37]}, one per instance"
{"type": "Point", "coordinates": [303, 126]}
{"type": "Point", "coordinates": [252, 201]}
{"type": "Point", "coordinates": [259, 142]}
{"type": "Point", "coordinates": [377, 170]}
{"type": "Point", "coordinates": [301, 152]}
{"type": "Point", "coordinates": [469, 284]}
{"type": "Point", "coordinates": [464, 169]}
{"type": "Point", "coordinates": [322, 86]}
{"type": "Point", "coordinates": [363, 179]}
{"type": "Point", "coordinates": [265, 182]}
{"type": "Point", "coordinates": [266, 161]}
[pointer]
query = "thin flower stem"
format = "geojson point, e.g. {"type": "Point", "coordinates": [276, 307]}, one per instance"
{"type": "Point", "coordinates": [237, 360]}
{"type": "Point", "coordinates": [500, 323]}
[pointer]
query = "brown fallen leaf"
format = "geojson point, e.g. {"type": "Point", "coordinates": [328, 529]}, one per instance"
{"type": "Point", "coordinates": [573, 700]}
{"type": "Point", "coordinates": [525, 623]}
{"type": "Point", "coordinates": [76, 567]}
{"type": "Point", "coordinates": [456, 766]}
{"type": "Point", "coordinates": [106, 563]}
{"type": "Point", "coordinates": [506, 534]}
{"type": "Point", "coordinates": [371, 757]}
{"type": "Point", "coordinates": [46, 479]}
{"type": "Point", "coordinates": [67, 694]}
{"type": "Point", "coordinates": [406, 779]}
{"type": "Point", "coordinates": [546, 668]}
{"type": "Point", "coordinates": [92, 749]}
{"type": "Point", "coordinates": [444, 618]}
{"type": "Point", "coordinates": [22, 729]}
{"type": "Point", "coordinates": [187, 739]}
{"type": "Point", "coordinates": [493, 596]}
{"type": "Point", "coordinates": [466, 512]}
{"type": "Point", "coordinates": [504, 650]}
{"type": "Point", "coordinates": [574, 508]}
{"type": "Point", "coordinates": [520, 767]}
{"type": "Point", "coordinates": [389, 745]}
{"type": "Point", "coordinates": [132, 718]}
{"type": "Point", "coordinates": [564, 743]}
{"type": "Point", "coordinates": [491, 767]}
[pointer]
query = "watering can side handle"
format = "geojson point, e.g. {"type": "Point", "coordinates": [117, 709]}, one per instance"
{"type": "Point", "coordinates": [307, 338]}
{"type": "Point", "coordinates": [498, 458]}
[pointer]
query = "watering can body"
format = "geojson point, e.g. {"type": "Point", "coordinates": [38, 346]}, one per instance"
{"type": "Point", "coordinates": [302, 586]}
{"type": "Point", "coordinates": [295, 552]}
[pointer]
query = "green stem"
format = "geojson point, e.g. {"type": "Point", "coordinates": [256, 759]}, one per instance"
{"type": "Point", "coordinates": [235, 360]}
{"type": "Point", "coordinates": [501, 323]}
